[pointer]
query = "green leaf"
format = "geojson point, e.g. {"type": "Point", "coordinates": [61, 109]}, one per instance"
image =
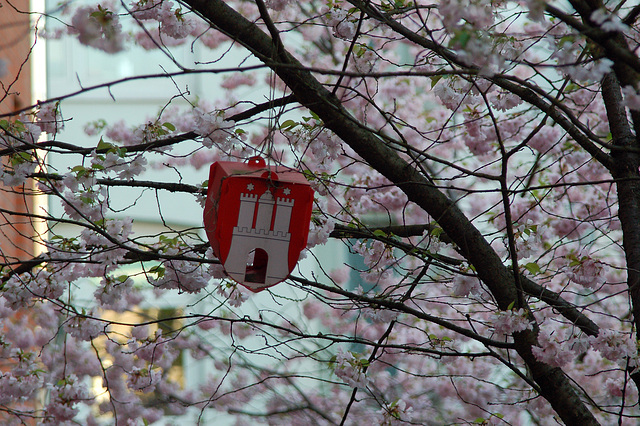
{"type": "Point", "coordinates": [309, 175]}
{"type": "Point", "coordinates": [511, 305]}
{"type": "Point", "coordinates": [359, 50]}
{"type": "Point", "coordinates": [169, 126]}
{"type": "Point", "coordinates": [380, 233]}
{"type": "Point", "coordinates": [158, 270]}
{"type": "Point", "coordinates": [332, 361]}
{"type": "Point", "coordinates": [19, 126]}
{"type": "Point", "coordinates": [568, 39]}
{"type": "Point", "coordinates": [574, 260]}
{"type": "Point", "coordinates": [288, 125]}
{"type": "Point", "coordinates": [20, 158]}
{"type": "Point", "coordinates": [434, 80]}
{"type": "Point", "coordinates": [533, 268]}
{"type": "Point", "coordinates": [460, 40]}
{"type": "Point", "coordinates": [25, 156]}
{"type": "Point", "coordinates": [105, 146]}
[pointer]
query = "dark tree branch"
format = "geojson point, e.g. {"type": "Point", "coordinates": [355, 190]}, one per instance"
{"type": "Point", "coordinates": [166, 186]}
{"type": "Point", "coordinates": [627, 164]}
{"type": "Point", "coordinates": [112, 83]}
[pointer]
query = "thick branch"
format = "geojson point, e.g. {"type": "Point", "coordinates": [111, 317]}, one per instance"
{"type": "Point", "coordinates": [166, 186]}
{"type": "Point", "coordinates": [627, 163]}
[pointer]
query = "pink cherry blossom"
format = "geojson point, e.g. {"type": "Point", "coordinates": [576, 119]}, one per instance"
{"type": "Point", "coordinates": [551, 351]}
{"type": "Point", "coordinates": [214, 128]}
{"type": "Point", "coordinates": [511, 321]}
{"type": "Point", "coordinates": [84, 327]}
{"type": "Point", "coordinates": [49, 119]}
{"type": "Point", "coordinates": [587, 272]}
{"type": "Point", "coordinates": [631, 97]}
{"type": "Point", "coordinates": [98, 27]}
{"type": "Point", "coordinates": [350, 370]}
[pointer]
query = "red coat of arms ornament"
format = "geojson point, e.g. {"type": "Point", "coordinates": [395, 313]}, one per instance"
{"type": "Point", "coordinates": [257, 220]}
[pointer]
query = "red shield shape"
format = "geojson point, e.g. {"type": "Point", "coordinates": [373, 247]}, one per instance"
{"type": "Point", "coordinates": [257, 220]}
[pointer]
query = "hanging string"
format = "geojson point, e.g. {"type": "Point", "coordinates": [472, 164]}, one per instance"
{"type": "Point", "coordinates": [267, 148]}
{"type": "Point", "coordinates": [277, 50]}
{"type": "Point", "coordinates": [272, 119]}
{"type": "Point", "coordinates": [271, 123]}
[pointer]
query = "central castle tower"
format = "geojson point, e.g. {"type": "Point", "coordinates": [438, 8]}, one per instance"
{"type": "Point", "coordinates": [262, 228]}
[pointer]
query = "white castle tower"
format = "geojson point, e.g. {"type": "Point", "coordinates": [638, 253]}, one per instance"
{"type": "Point", "coordinates": [269, 234]}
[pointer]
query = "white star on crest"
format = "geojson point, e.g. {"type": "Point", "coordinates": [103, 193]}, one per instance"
{"type": "Point", "coordinates": [250, 187]}
{"type": "Point", "coordinates": [287, 191]}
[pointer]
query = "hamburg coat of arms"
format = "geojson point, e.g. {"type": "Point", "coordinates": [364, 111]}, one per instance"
{"type": "Point", "coordinates": [257, 220]}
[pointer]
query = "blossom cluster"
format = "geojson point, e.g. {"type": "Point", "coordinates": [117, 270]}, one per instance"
{"type": "Point", "coordinates": [351, 369]}
{"type": "Point", "coordinates": [28, 129]}
{"type": "Point", "coordinates": [215, 130]}
{"type": "Point", "coordinates": [344, 24]}
{"type": "Point", "coordinates": [114, 161]}
{"type": "Point", "coordinates": [173, 22]}
{"type": "Point", "coordinates": [512, 321]}
{"type": "Point", "coordinates": [98, 27]}
{"type": "Point", "coordinates": [587, 272]}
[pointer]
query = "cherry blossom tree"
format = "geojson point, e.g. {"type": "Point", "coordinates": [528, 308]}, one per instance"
{"type": "Point", "coordinates": [476, 161]}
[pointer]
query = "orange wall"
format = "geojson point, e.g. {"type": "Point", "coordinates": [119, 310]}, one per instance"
{"type": "Point", "coordinates": [16, 231]}
{"type": "Point", "coordinates": [15, 42]}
